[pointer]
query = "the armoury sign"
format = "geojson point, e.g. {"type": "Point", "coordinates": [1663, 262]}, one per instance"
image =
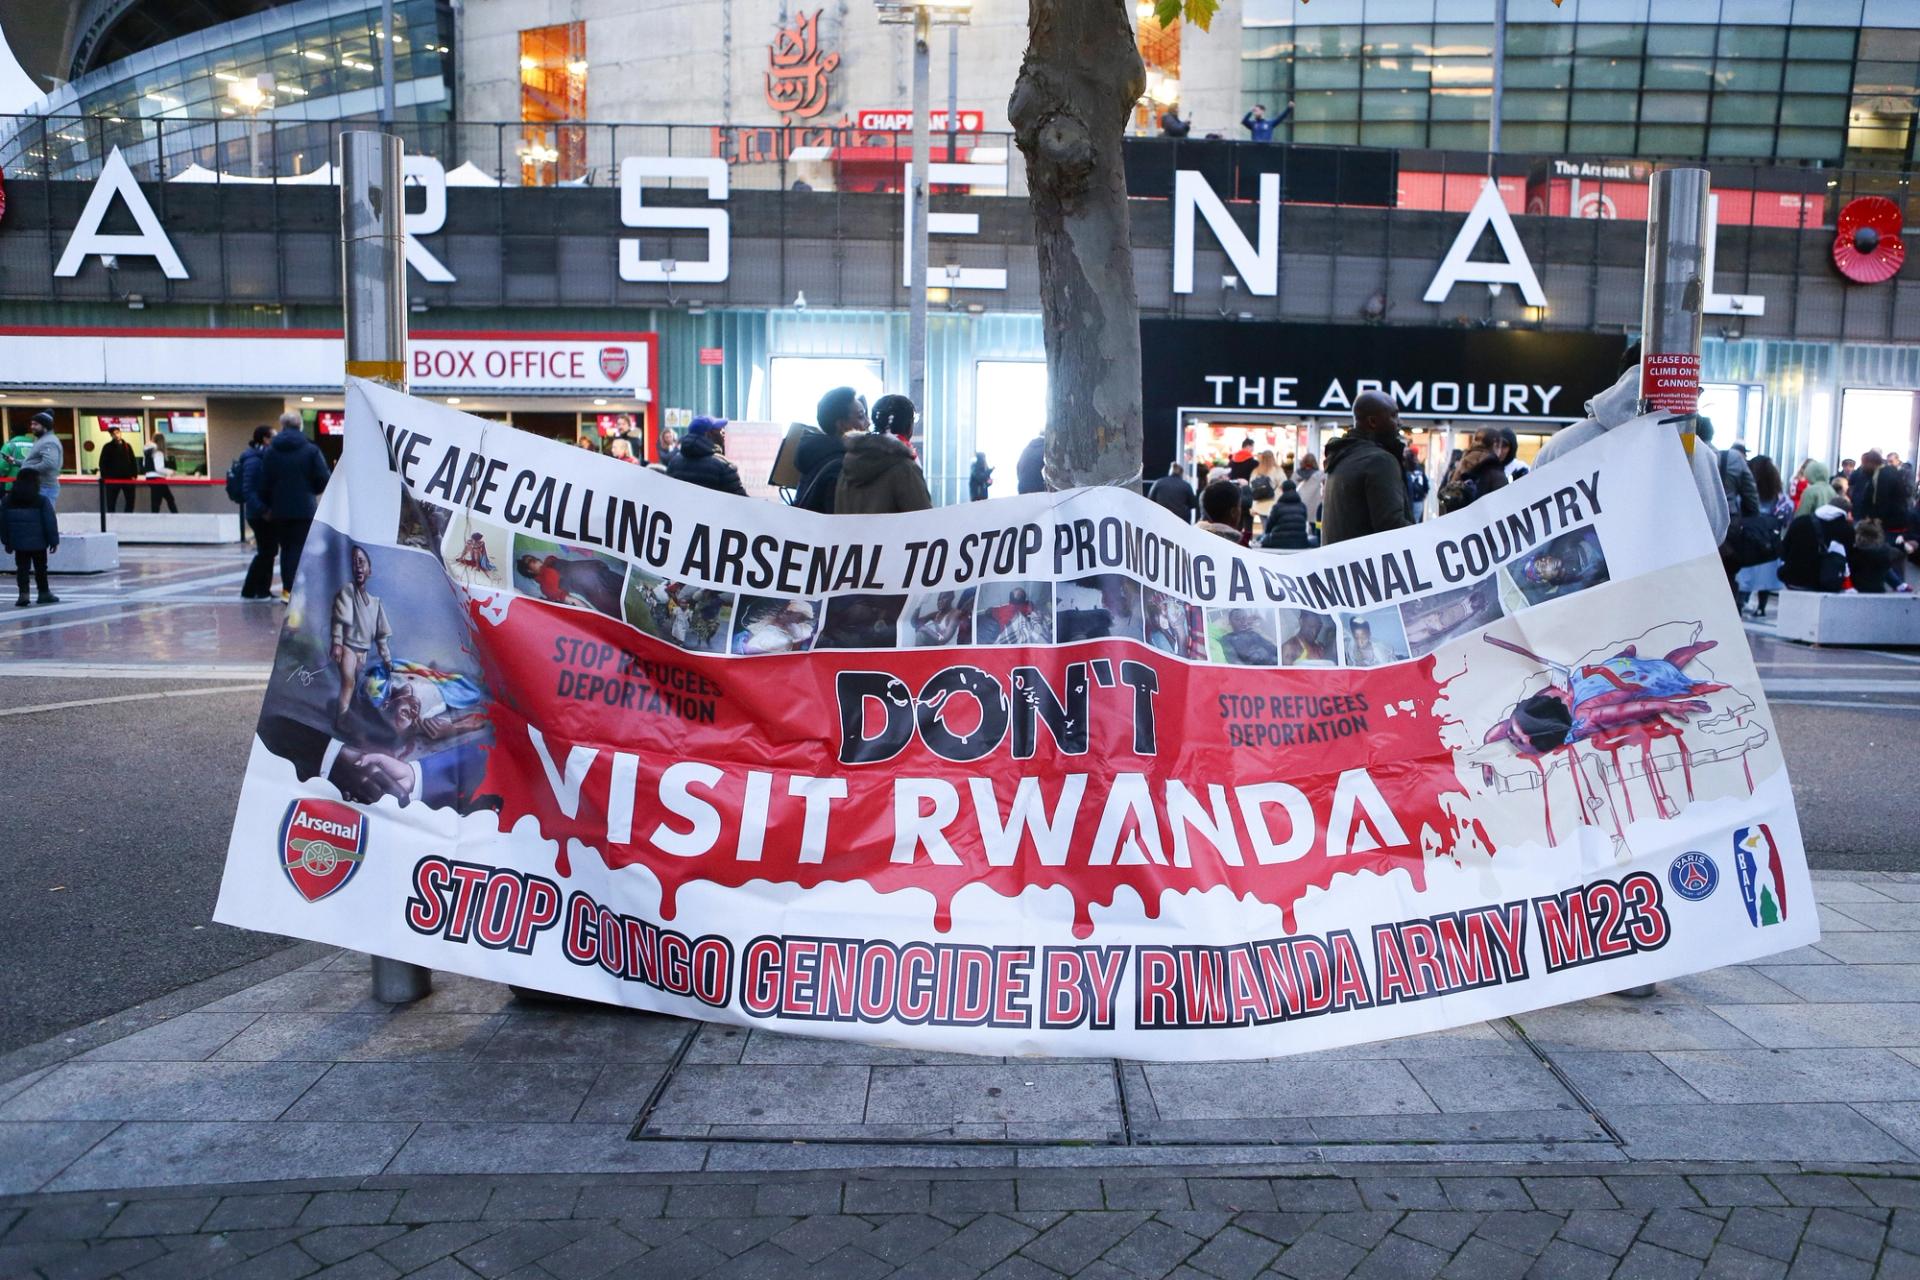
{"type": "Point", "coordinates": [1256, 261]}
{"type": "Point", "coordinates": [1056, 774]}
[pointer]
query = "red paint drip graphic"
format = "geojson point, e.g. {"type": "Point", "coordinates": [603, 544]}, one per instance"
{"type": "Point", "coordinates": [726, 771]}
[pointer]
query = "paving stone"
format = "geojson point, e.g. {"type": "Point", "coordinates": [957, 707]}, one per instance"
{"type": "Point", "coordinates": [1079, 1238]}
{"type": "Point", "coordinates": [974, 1195]}
{"type": "Point", "coordinates": [1303, 1086]}
{"type": "Point", "coordinates": [254, 1212]}
{"type": "Point", "coordinates": [336, 1244]}
{"type": "Point", "coordinates": [1611, 1231]}
{"type": "Point", "coordinates": [1318, 1256]}
{"type": "Point", "coordinates": [288, 1262]}
{"type": "Point", "coordinates": [1735, 1189]}
{"type": "Point", "coordinates": [1800, 1131]}
{"type": "Point", "coordinates": [82, 1220]}
{"type": "Point", "coordinates": [532, 1201]}
{"type": "Point", "coordinates": [987, 1239]}
{"type": "Point", "coordinates": [1818, 1189]}
{"type": "Point", "coordinates": [445, 1269]}
{"type": "Point", "coordinates": [33, 1153]}
{"type": "Point", "coordinates": [1846, 1233]}
{"type": "Point", "coordinates": [795, 1199]}
{"type": "Point", "coordinates": [711, 1200]}
{"type": "Point", "coordinates": [167, 1217]}
{"type": "Point", "coordinates": [1774, 1233]}
{"type": "Point", "coordinates": [1205, 1223]}
{"type": "Point", "coordinates": [102, 1260]}
{"type": "Point", "coordinates": [887, 1195]}
{"type": "Point", "coordinates": [431, 1242]}
{"type": "Point", "coordinates": [1890, 1193]}
{"type": "Point", "coordinates": [164, 1091]}
{"type": "Point", "coordinates": [1651, 1190]}
{"type": "Point", "coordinates": [1898, 1265]}
{"type": "Point", "coordinates": [1731, 1262]}
{"type": "Point", "coordinates": [1233, 1195]}
{"type": "Point", "coordinates": [814, 1238]}
{"type": "Point", "coordinates": [1814, 1262]}
{"type": "Point", "coordinates": [762, 1262]}
{"type": "Point", "coordinates": [1364, 1229]}
{"type": "Point", "coordinates": [1401, 1193]}
{"type": "Point", "coordinates": [1682, 1231]}
{"type": "Point", "coordinates": [1152, 1249]}
{"type": "Point", "coordinates": [1564, 1260]}
{"type": "Point", "coordinates": [603, 1249]}
{"type": "Point", "coordinates": [791, 1096]}
{"type": "Point", "coordinates": [171, 1153]}
{"type": "Point", "coordinates": [443, 1202]}
{"type": "Point", "coordinates": [1443, 1230]}
{"type": "Point", "coordinates": [1485, 1193]}
{"type": "Point", "coordinates": [1401, 1258]}
{"type": "Point", "coordinates": [611, 1200]}
{"type": "Point", "coordinates": [1485, 1260]}
{"type": "Point", "coordinates": [1016, 1268]}
{"type": "Point", "coordinates": [1282, 1228]}
{"type": "Point", "coordinates": [651, 1232]}
{"type": "Point", "coordinates": [735, 1236]}
{"type": "Point", "coordinates": [1235, 1254]}
{"type": "Point", "coordinates": [1317, 1195]}
{"type": "Point", "coordinates": [1059, 1193]}
{"type": "Point", "coordinates": [1523, 1231]}
{"type": "Point", "coordinates": [1145, 1193]}
{"type": "Point", "coordinates": [348, 1208]}
{"type": "Point", "coordinates": [1903, 1230]}
{"type": "Point", "coordinates": [1564, 1195]}
{"type": "Point", "coordinates": [902, 1237]}
{"type": "Point", "coordinates": [368, 1266]}
{"type": "Point", "coordinates": [850, 1263]}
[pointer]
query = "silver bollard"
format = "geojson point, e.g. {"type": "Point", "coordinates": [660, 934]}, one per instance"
{"type": "Point", "coordinates": [374, 291]}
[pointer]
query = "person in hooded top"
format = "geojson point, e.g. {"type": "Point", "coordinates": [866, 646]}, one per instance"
{"type": "Point", "coordinates": [701, 458]}
{"type": "Point", "coordinates": [1620, 404]}
{"type": "Point", "coordinates": [1816, 492]}
{"type": "Point", "coordinates": [879, 475]}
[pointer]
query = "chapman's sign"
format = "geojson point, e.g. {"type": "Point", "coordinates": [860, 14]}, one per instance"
{"type": "Point", "coordinates": [1256, 261]}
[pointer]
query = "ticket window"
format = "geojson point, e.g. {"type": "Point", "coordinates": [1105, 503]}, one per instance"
{"type": "Point", "coordinates": [92, 430]}
{"type": "Point", "coordinates": [183, 434]}
{"type": "Point", "coordinates": [564, 427]}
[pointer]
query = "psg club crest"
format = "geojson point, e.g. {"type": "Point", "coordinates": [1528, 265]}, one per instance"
{"type": "Point", "coordinates": [1763, 880]}
{"type": "Point", "coordinates": [613, 362]}
{"type": "Point", "coordinates": [322, 843]}
{"type": "Point", "coordinates": [1693, 876]}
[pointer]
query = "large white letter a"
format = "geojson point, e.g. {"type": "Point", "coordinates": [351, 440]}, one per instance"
{"type": "Point", "coordinates": [152, 242]}
{"type": "Point", "coordinates": [1488, 211]}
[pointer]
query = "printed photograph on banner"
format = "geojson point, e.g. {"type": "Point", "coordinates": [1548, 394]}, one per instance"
{"type": "Point", "coordinates": [1100, 606]}
{"type": "Point", "coordinates": [938, 619]}
{"type": "Point", "coordinates": [422, 524]}
{"type": "Point", "coordinates": [1433, 620]}
{"type": "Point", "coordinates": [564, 574]}
{"type": "Point", "coordinates": [377, 657]}
{"type": "Point", "coordinates": [1374, 638]}
{"type": "Point", "coordinates": [477, 554]}
{"type": "Point", "coordinates": [1242, 637]}
{"type": "Point", "coordinates": [680, 613]}
{"type": "Point", "coordinates": [1568, 563]}
{"type": "Point", "coordinates": [1176, 627]}
{"type": "Point", "coordinates": [775, 624]}
{"type": "Point", "coordinates": [1626, 711]}
{"type": "Point", "coordinates": [1014, 613]}
{"type": "Point", "coordinates": [862, 622]}
{"type": "Point", "coordinates": [1308, 639]}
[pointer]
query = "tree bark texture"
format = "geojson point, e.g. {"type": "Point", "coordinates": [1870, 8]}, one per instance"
{"type": "Point", "coordinates": [1078, 83]}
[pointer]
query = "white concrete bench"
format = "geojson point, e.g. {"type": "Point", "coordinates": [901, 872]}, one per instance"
{"type": "Point", "coordinates": [89, 552]}
{"type": "Point", "coordinates": [157, 526]}
{"type": "Point", "coordinates": [1819, 617]}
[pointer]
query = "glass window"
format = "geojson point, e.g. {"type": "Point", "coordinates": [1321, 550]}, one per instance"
{"type": "Point", "coordinates": [1679, 73]}
{"type": "Point", "coordinates": [1605, 139]}
{"type": "Point", "coordinates": [1327, 73]}
{"type": "Point", "coordinates": [1533, 137]}
{"type": "Point", "coordinates": [1604, 106]}
{"type": "Point", "coordinates": [1613, 11]}
{"type": "Point", "coordinates": [1462, 105]}
{"type": "Point", "coordinates": [1772, 12]}
{"type": "Point", "coordinates": [1748, 76]}
{"type": "Point", "coordinates": [1828, 43]}
{"type": "Point", "coordinates": [1539, 73]}
{"type": "Point", "coordinates": [1828, 113]}
{"type": "Point", "coordinates": [1374, 134]}
{"type": "Point", "coordinates": [1393, 104]}
{"type": "Point", "coordinates": [1531, 105]}
{"type": "Point", "coordinates": [1463, 10]}
{"type": "Point", "coordinates": [1680, 41]}
{"type": "Point", "coordinates": [1340, 41]}
{"type": "Point", "coordinates": [1539, 38]}
{"type": "Point", "coordinates": [1451, 40]}
{"type": "Point", "coordinates": [1744, 108]}
{"type": "Point", "coordinates": [1396, 71]}
{"type": "Point", "coordinates": [1827, 12]}
{"type": "Point", "coordinates": [1457, 137]}
{"type": "Point", "coordinates": [1398, 41]}
{"type": "Point", "coordinates": [1752, 42]}
{"type": "Point", "coordinates": [1266, 42]}
{"type": "Point", "coordinates": [1883, 77]}
{"type": "Point", "coordinates": [1463, 73]}
{"type": "Point", "coordinates": [1674, 108]}
{"type": "Point", "coordinates": [1671, 139]}
{"type": "Point", "coordinates": [1615, 38]}
{"type": "Point", "coordinates": [1818, 77]}
{"type": "Point", "coordinates": [1398, 11]}
{"type": "Point", "coordinates": [1890, 46]}
{"type": "Point", "coordinates": [1606, 73]}
{"type": "Point", "coordinates": [553, 89]}
{"type": "Point", "coordinates": [1740, 140]}
{"type": "Point", "coordinates": [1323, 106]}
{"type": "Point", "coordinates": [1328, 134]}
{"type": "Point", "coordinates": [1009, 408]}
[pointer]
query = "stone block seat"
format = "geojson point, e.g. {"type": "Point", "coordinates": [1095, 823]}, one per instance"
{"type": "Point", "coordinates": [1819, 617]}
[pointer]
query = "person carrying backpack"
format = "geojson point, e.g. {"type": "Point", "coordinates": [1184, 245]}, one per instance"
{"type": "Point", "coordinates": [1417, 484]}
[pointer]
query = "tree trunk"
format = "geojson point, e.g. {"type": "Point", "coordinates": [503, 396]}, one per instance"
{"type": "Point", "coordinates": [1078, 82]}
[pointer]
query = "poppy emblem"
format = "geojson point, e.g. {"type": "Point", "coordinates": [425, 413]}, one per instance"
{"type": "Point", "coordinates": [613, 362]}
{"type": "Point", "coordinates": [322, 844]}
{"type": "Point", "coordinates": [1867, 247]}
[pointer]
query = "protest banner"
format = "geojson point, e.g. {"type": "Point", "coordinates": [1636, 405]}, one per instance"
{"type": "Point", "coordinates": [1055, 774]}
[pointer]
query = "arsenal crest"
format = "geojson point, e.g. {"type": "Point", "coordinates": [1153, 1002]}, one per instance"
{"type": "Point", "coordinates": [322, 843]}
{"type": "Point", "coordinates": [613, 362]}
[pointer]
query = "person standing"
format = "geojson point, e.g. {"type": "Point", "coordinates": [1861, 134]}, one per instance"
{"type": "Point", "coordinates": [1312, 484]}
{"type": "Point", "coordinates": [253, 506]}
{"type": "Point", "coordinates": [1287, 522]}
{"type": "Point", "coordinates": [1172, 126]}
{"type": "Point", "coordinates": [1220, 504]}
{"type": "Point", "coordinates": [1366, 491]}
{"type": "Point", "coordinates": [1478, 473]}
{"type": "Point", "coordinates": [1174, 493]}
{"type": "Point", "coordinates": [118, 470]}
{"type": "Point", "coordinates": [879, 474]}
{"type": "Point", "coordinates": [46, 457]}
{"type": "Point", "coordinates": [980, 479]}
{"type": "Point", "coordinates": [157, 469]}
{"type": "Point", "coordinates": [293, 474]}
{"type": "Point", "coordinates": [1256, 123]}
{"type": "Point", "coordinates": [30, 530]}
{"type": "Point", "coordinates": [1240, 466]}
{"type": "Point", "coordinates": [842, 412]}
{"type": "Point", "coordinates": [1031, 470]}
{"type": "Point", "coordinates": [701, 458]}
{"type": "Point", "coordinates": [1417, 484]}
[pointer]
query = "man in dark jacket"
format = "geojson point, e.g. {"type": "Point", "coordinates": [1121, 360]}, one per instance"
{"type": "Point", "coordinates": [1366, 490]}
{"type": "Point", "coordinates": [117, 463]}
{"type": "Point", "coordinates": [820, 454]}
{"type": "Point", "coordinates": [1885, 494]}
{"type": "Point", "coordinates": [253, 505]}
{"type": "Point", "coordinates": [701, 459]}
{"type": "Point", "coordinates": [1174, 493]}
{"type": "Point", "coordinates": [1287, 522]}
{"type": "Point", "coordinates": [292, 477]}
{"type": "Point", "coordinates": [1031, 469]}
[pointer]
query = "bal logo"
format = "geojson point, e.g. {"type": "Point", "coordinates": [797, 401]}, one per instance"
{"type": "Point", "coordinates": [1693, 876]}
{"type": "Point", "coordinates": [322, 843]}
{"type": "Point", "coordinates": [1763, 875]}
{"type": "Point", "coordinates": [613, 362]}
